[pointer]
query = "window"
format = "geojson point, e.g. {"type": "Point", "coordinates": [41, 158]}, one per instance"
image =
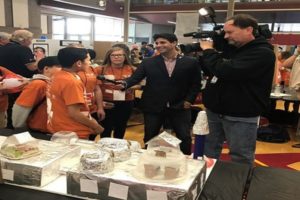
{"type": "Point", "coordinates": [58, 26]}
{"type": "Point", "coordinates": [71, 28]}
{"type": "Point", "coordinates": [108, 29]}
{"type": "Point", "coordinates": [104, 28]}
{"type": "Point", "coordinates": [287, 27]}
{"type": "Point", "coordinates": [78, 28]}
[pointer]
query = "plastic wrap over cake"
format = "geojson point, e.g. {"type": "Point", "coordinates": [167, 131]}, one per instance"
{"type": "Point", "coordinates": [65, 137]}
{"type": "Point", "coordinates": [96, 162]}
{"type": "Point", "coordinates": [134, 145]}
{"type": "Point", "coordinates": [20, 146]}
{"type": "Point", "coordinates": [162, 161]}
{"type": "Point", "coordinates": [119, 148]}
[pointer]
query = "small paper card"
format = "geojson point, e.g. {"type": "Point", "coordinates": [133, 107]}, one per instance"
{"type": "Point", "coordinates": [22, 138]}
{"type": "Point", "coordinates": [155, 195]}
{"type": "Point", "coordinates": [8, 174]}
{"type": "Point", "coordinates": [118, 191]}
{"type": "Point", "coordinates": [119, 95]}
{"type": "Point", "coordinates": [87, 185]}
{"type": "Point", "coordinates": [110, 77]}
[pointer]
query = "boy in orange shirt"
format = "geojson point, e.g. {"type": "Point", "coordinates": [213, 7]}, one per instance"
{"type": "Point", "coordinates": [93, 97]}
{"type": "Point", "coordinates": [30, 107]}
{"type": "Point", "coordinates": [66, 105]}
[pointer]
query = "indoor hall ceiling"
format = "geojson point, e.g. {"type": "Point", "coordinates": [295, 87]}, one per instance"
{"type": "Point", "coordinates": [265, 12]}
{"type": "Point", "coordinates": [113, 8]}
{"type": "Point", "coordinates": [263, 17]}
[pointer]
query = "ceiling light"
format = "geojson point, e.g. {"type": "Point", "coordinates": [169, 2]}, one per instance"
{"type": "Point", "coordinates": [203, 12]}
{"type": "Point", "coordinates": [171, 22]}
{"type": "Point", "coordinates": [207, 12]}
{"type": "Point", "coordinates": [102, 4]}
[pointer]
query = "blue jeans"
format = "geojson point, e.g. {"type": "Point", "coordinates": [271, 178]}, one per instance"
{"type": "Point", "coordinates": [240, 134]}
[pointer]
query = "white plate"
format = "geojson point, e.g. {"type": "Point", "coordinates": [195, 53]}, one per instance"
{"type": "Point", "coordinates": [11, 83]}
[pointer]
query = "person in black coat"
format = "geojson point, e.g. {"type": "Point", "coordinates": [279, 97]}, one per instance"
{"type": "Point", "coordinates": [17, 57]}
{"type": "Point", "coordinates": [172, 84]}
{"type": "Point", "coordinates": [238, 89]}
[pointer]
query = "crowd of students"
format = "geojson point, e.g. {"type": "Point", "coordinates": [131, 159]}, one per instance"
{"type": "Point", "coordinates": [68, 93]}
{"type": "Point", "coordinates": [64, 93]}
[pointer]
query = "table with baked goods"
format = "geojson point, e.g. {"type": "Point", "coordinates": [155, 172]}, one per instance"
{"type": "Point", "coordinates": [56, 174]}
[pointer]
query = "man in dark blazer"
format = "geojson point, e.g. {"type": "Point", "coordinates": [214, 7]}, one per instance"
{"type": "Point", "coordinates": [172, 84]}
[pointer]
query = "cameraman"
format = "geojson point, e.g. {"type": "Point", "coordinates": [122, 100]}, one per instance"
{"type": "Point", "coordinates": [238, 88]}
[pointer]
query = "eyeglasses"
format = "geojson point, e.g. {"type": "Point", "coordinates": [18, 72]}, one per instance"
{"type": "Point", "coordinates": [117, 55]}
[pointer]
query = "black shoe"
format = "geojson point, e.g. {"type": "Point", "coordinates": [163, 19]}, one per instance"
{"type": "Point", "coordinates": [296, 145]}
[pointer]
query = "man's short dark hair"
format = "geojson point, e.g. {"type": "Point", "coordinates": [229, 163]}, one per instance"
{"type": "Point", "coordinates": [69, 55]}
{"type": "Point", "coordinates": [168, 36]}
{"type": "Point", "coordinates": [144, 43]}
{"type": "Point", "coordinates": [244, 21]}
{"type": "Point", "coordinates": [40, 48]}
{"type": "Point", "coordinates": [150, 45]}
{"type": "Point", "coordinates": [49, 61]}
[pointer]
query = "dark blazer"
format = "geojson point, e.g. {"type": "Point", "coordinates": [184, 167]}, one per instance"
{"type": "Point", "coordinates": [183, 85]}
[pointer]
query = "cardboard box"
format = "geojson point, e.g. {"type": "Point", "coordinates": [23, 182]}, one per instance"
{"type": "Point", "coordinates": [121, 184]}
{"type": "Point", "coordinates": [43, 168]}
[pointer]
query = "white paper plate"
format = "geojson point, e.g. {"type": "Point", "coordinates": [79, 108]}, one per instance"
{"type": "Point", "coordinates": [11, 83]}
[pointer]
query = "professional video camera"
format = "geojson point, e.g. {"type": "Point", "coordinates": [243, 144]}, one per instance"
{"type": "Point", "coordinates": [217, 34]}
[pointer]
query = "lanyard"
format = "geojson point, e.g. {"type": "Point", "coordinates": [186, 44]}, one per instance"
{"type": "Point", "coordinates": [113, 72]}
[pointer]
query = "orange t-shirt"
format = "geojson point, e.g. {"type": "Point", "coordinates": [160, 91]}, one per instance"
{"type": "Point", "coordinates": [89, 81]}
{"type": "Point", "coordinates": [285, 76]}
{"type": "Point", "coordinates": [32, 95]}
{"type": "Point", "coordinates": [108, 89]}
{"type": "Point", "coordinates": [3, 95]}
{"type": "Point", "coordinates": [66, 89]}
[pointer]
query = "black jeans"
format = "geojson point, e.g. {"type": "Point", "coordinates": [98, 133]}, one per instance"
{"type": "Point", "coordinates": [116, 119]}
{"type": "Point", "coordinates": [180, 121]}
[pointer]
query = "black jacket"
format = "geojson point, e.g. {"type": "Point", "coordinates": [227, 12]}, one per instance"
{"type": "Point", "coordinates": [14, 57]}
{"type": "Point", "coordinates": [244, 80]}
{"type": "Point", "coordinates": [183, 85]}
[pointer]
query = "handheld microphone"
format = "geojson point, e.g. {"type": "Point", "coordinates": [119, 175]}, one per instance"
{"type": "Point", "coordinates": [189, 34]}
{"type": "Point", "coordinates": [102, 78]}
